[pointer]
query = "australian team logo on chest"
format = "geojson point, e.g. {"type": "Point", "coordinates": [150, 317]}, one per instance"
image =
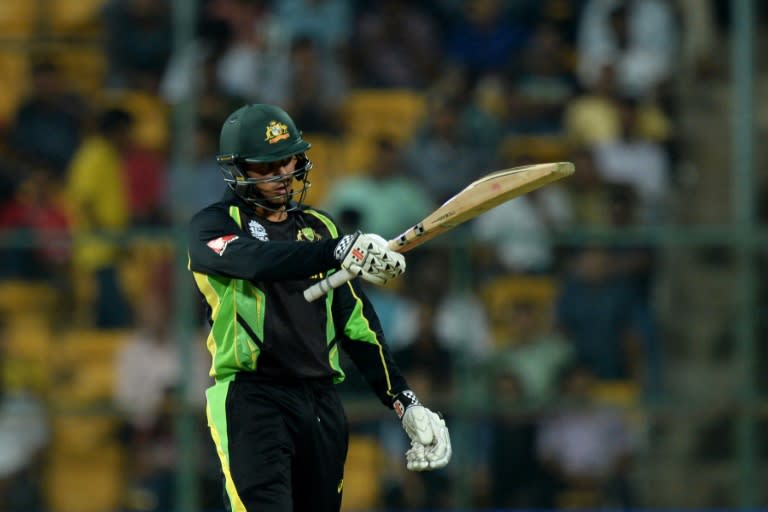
{"type": "Point", "coordinates": [258, 231]}
{"type": "Point", "coordinates": [307, 235]}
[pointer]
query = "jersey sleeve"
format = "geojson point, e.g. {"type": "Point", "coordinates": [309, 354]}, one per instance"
{"type": "Point", "coordinates": [362, 338]}
{"type": "Point", "coordinates": [218, 246]}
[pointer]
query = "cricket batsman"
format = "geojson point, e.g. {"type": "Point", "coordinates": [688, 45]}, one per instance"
{"type": "Point", "coordinates": [273, 411]}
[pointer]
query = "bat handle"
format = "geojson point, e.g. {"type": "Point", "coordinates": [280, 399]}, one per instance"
{"type": "Point", "coordinates": [320, 288]}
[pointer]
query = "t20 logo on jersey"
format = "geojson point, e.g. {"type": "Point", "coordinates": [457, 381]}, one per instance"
{"type": "Point", "coordinates": [258, 231]}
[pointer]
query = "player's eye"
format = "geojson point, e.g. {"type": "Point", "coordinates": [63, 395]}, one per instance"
{"type": "Point", "coordinates": [260, 169]}
{"type": "Point", "coordinates": [283, 162]}
{"type": "Point", "coordinates": [266, 169]}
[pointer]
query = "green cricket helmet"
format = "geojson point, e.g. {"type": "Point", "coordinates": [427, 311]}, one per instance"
{"type": "Point", "coordinates": [260, 133]}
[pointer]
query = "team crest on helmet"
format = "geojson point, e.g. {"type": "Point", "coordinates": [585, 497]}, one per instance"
{"type": "Point", "coordinates": [307, 234]}
{"type": "Point", "coordinates": [276, 132]}
{"type": "Point", "coordinates": [257, 231]}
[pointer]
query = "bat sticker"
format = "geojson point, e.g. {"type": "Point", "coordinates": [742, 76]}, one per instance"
{"type": "Point", "coordinates": [445, 216]}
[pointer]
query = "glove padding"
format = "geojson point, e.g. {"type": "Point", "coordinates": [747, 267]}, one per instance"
{"type": "Point", "coordinates": [423, 425]}
{"type": "Point", "coordinates": [430, 440]}
{"type": "Point", "coordinates": [367, 255]}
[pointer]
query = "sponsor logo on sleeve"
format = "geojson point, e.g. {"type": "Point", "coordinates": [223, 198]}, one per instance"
{"type": "Point", "coordinates": [219, 245]}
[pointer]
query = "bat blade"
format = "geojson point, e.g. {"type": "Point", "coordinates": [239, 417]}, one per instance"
{"type": "Point", "coordinates": [479, 196]}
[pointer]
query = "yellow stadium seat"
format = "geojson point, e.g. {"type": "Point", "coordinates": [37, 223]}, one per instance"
{"type": "Point", "coordinates": [325, 165]}
{"type": "Point", "coordinates": [393, 113]}
{"type": "Point", "coordinates": [621, 393]}
{"type": "Point", "coordinates": [362, 474]}
{"type": "Point", "coordinates": [22, 297]}
{"type": "Point", "coordinates": [500, 294]}
{"type": "Point", "coordinates": [26, 352]}
{"type": "Point", "coordinates": [14, 70]}
{"type": "Point", "coordinates": [92, 383]}
{"type": "Point", "coordinates": [75, 18]}
{"type": "Point", "coordinates": [140, 267]}
{"type": "Point", "coordinates": [82, 434]}
{"type": "Point", "coordinates": [590, 120]}
{"type": "Point", "coordinates": [28, 336]}
{"type": "Point", "coordinates": [356, 154]}
{"type": "Point", "coordinates": [578, 499]}
{"type": "Point", "coordinates": [90, 482]}
{"type": "Point", "coordinates": [84, 66]}
{"type": "Point", "coordinates": [539, 148]}
{"type": "Point", "coordinates": [18, 18]}
{"type": "Point", "coordinates": [84, 289]}
{"type": "Point", "coordinates": [87, 345]}
{"type": "Point", "coordinates": [84, 366]}
{"type": "Point", "coordinates": [151, 113]}
{"type": "Point", "coordinates": [20, 374]}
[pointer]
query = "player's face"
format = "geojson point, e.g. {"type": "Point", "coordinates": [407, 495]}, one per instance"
{"type": "Point", "coordinates": [277, 186]}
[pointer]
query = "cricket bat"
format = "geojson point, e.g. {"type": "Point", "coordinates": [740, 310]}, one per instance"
{"type": "Point", "coordinates": [479, 196]}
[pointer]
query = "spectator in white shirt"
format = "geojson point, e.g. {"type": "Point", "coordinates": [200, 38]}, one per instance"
{"type": "Point", "coordinates": [585, 446]}
{"type": "Point", "coordinates": [639, 37]}
{"type": "Point", "coordinates": [636, 161]}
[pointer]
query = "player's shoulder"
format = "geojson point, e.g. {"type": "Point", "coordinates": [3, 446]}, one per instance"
{"type": "Point", "coordinates": [317, 216]}
{"type": "Point", "coordinates": [311, 210]}
{"type": "Point", "coordinates": [211, 215]}
{"type": "Point", "coordinates": [212, 210]}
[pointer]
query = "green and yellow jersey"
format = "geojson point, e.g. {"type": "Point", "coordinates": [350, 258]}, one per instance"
{"type": "Point", "coordinates": [252, 273]}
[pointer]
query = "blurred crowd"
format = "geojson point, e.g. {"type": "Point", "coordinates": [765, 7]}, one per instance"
{"type": "Point", "coordinates": [542, 343]}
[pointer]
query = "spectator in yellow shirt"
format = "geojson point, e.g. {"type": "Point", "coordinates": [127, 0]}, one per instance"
{"type": "Point", "coordinates": [99, 209]}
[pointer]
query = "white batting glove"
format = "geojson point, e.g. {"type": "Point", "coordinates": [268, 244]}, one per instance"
{"type": "Point", "coordinates": [430, 440]}
{"type": "Point", "coordinates": [367, 255]}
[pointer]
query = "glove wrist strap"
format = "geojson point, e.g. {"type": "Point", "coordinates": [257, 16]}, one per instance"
{"type": "Point", "coordinates": [344, 245]}
{"type": "Point", "coordinates": [403, 401]}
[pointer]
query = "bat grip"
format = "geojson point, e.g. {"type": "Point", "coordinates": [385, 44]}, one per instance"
{"type": "Point", "coordinates": [320, 288]}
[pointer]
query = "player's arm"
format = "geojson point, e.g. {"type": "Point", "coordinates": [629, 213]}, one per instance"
{"type": "Point", "coordinates": [217, 246]}
{"type": "Point", "coordinates": [359, 332]}
{"type": "Point", "coordinates": [360, 335]}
